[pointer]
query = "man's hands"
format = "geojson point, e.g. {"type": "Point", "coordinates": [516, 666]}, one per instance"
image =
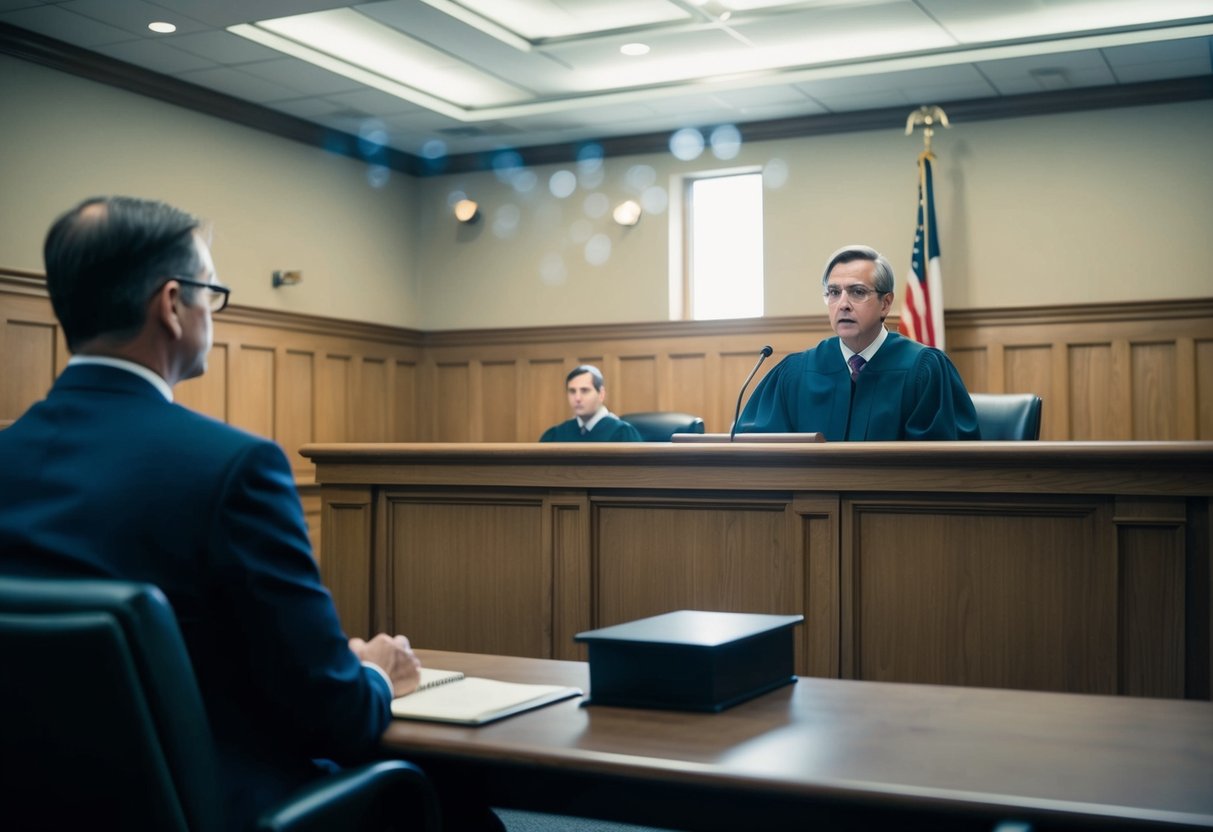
{"type": "Point", "coordinates": [393, 654]}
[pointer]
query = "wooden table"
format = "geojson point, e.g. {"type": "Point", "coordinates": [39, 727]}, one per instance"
{"type": "Point", "coordinates": [842, 754]}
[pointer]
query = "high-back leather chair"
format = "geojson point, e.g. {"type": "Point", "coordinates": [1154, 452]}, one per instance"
{"type": "Point", "coordinates": [659, 426]}
{"type": "Point", "coordinates": [102, 725]}
{"type": "Point", "coordinates": [1007, 416]}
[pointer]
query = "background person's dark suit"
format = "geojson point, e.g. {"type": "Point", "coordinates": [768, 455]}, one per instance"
{"type": "Point", "coordinates": [107, 478]}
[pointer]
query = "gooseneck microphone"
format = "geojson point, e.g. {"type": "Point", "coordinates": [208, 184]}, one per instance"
{"type": "Point", "coordinates": [766, 352]}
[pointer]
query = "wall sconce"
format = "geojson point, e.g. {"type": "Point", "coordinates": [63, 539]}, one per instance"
{"type": "Point", "coordinates": [287, 278]}
{"type": "Point", "coordinates": [467, 210]}
{"type": "Point", "coordinates": [627, 213]}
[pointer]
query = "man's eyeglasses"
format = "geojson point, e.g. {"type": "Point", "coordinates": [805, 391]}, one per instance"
{"type": "Point", "coordinates": [857, 292]}
{"type": "Point", "coordinates": [216, 300]}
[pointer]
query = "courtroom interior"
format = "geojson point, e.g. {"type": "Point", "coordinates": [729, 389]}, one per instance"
{"type": "Point", "coordinates": [406, 359]}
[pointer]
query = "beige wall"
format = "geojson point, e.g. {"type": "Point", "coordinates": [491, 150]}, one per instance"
{"type": "Point", "coordinates": [1111, 205]}
{"type": "Point", "coordinates": [274, 203]}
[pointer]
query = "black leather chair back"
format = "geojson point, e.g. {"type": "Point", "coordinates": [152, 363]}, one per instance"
{"type": "Point", "coordinates": [103, 725]}
{"type": "Point", "coordinates": [659, 426]}
{"type": "Point", "coordinates": [1007, 416]}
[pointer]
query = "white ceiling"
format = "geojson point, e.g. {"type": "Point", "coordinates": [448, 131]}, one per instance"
{"type": "Point", "coordinates": [484, 74]}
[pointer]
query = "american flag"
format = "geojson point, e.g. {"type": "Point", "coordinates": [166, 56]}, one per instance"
{"type": "Point", "coordinates": [922, 313]}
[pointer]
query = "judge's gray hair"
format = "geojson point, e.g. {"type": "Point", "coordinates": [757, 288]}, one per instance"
{"type": "Point", "coordinates": [883, 280]}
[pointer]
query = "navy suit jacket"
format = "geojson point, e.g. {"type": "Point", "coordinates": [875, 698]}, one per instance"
{"type": "Point", "coordinates": [105, 478]}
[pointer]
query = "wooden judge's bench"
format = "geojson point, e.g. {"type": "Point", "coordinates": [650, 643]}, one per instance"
{"type": "Point", "coordinates": [1062, 566]}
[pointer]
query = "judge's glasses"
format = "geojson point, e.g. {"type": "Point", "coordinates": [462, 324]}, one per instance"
{"type": "Point", "coordinates": [857, 292]}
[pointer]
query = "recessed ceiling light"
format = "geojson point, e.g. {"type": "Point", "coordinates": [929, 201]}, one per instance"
{"type": "Point", "coordinates": [634, 49]}
{"type": "Point", "coordinates": [162, 28]}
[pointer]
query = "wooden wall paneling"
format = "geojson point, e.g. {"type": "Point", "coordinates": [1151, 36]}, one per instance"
{"type": "Point", "coordinates": [1151, 546]}
{"type": "Point", "coordinates": [543, 401]}
{"type": "Point", "coordinates": [252, 390]}
{"type": "Point", "coordinates": [451, 418]}
{"type": "Point", "coordinates": [658, 554]}
{"type": "Point", "coordinates": [634, 385]}
{"type": "Point", "coordinates": [333, 390]}
{"type": "Point", "coordinates": [1029, 369]}
{"type": "Point", "coordinates": [1096, 409]}
{"type": "Point", "coordinates": [208, 393]}
{"type": "Point", "coordinates": [1025, 592]}
{"type": "Point", "coordinates": [29, 355]}
{"type": "Point", "coordinates": [689, 386]}
{"type": "Point", "coordinates": [971, 363]}
{"type": "Point", "coordinates": [370, 410]}
{"type": "Point", "coordinates": [1204, 388]}
{"type": "Point", "coordinates": [297, 401]}
{"type": "Point", "coordinates": [346, 531]}
{"type": "Point", "coordinates": [566, 536]}
{"type": "Point", "coordinates": [491, 583]}
{"type": "Point", "coordinates": [1186, 386]}
{"type": "Point", "coordinates": [499, 391]}
{"type": "Point", "coordinates": [818, 534]}
{"type": "Point", "coordinates": [1154, 390]}
{"type": "Point", "coordinates": [405, 388]}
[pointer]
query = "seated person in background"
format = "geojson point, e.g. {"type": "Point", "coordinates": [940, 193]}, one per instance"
{"type": "Point", "coordinates": [591, 421]}
{"type": "Point", "coordinates": [865, 383]}
{"type": "Point", "coordinates": [108, 478]}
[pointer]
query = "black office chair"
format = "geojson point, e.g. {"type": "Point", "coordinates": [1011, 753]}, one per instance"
{"type": "Point", "coordinates": [659, 426]}
{"type": "Point", "coordinates": [102, 725]}
{"type": "Point", "coordinates": [1007, 416]}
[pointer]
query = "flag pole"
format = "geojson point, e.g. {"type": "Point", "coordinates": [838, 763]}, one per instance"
{"type": "Point", "coordinates": [922, 315]}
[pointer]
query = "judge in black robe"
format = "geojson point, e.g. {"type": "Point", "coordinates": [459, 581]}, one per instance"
{"type": "Point", "coordinates": [903, 390]}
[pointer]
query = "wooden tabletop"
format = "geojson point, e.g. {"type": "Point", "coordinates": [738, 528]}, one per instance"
{"type": "Point", "coordinates": [1040, 755]}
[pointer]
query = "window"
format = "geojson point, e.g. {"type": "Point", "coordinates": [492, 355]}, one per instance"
{"type": "Point", "coordinates": [722, 268]}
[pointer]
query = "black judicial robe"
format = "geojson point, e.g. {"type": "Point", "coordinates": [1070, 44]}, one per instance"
{"type": "Point", "coordinates": [907, 391]}
{"type": "Point", "coordinates": [608, 429]}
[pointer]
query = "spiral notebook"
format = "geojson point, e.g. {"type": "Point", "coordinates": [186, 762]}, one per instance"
{"type": "Point", "coordinates": [450, 696]}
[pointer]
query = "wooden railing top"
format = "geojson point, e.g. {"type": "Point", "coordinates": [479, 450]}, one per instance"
{"type": "Point", "coordinates": [1146, 468]}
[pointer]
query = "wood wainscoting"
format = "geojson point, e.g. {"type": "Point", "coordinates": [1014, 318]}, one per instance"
{"type": "Point", "coordinates": [1141, 371]}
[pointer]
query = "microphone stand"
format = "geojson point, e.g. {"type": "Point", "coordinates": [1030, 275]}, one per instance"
{"type": "Point", "coordinates": [766, 351]}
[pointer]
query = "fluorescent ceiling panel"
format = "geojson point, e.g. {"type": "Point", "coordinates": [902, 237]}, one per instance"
{"type": "Point", "coordinates": [542, 19]}
{"type": "Point", "coordinates": [1001, 20]}
{"type": "Point", "coordinates": [361, 43]}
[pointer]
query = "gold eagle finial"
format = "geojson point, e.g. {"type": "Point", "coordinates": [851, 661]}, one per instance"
{"type": "Point", "coordinates": [928, 117]}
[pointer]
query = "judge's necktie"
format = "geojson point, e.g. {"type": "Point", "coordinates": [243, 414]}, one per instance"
{"type": "Point", "coordinates": [856, 361]}
{"type": "Point", "coordinates": [583, 430]}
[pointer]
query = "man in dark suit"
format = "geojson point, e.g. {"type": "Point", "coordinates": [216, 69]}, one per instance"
{"type": "Point", "coordinates": [107, 477]}
{"type": "Point", "coordinates": [591, 421]}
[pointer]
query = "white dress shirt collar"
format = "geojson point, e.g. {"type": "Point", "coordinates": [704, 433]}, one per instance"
{"type": "Point", "coordinates": [130, 366]}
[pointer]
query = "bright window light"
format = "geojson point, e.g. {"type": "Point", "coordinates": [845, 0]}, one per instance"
{"type": "Point", "coordinates": [725, 267]}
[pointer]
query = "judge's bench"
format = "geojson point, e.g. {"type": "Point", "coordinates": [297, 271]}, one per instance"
{"type": "Point", "coordinates": [1057, 566]}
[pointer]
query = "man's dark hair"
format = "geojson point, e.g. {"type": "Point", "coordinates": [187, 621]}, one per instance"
{"type": "Point", "coordinates": [594, 372]}
{"type": "Point", "coordinates": [105, 258]}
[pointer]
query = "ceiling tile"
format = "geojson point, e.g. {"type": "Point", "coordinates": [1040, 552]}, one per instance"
{"type": "Point", "coordinates": [1161, 70]}
{"type": "Point", "coordinates": [54, 22]}
{"type": "Point", "coordinates": [155, 55]}
{"type": "Point", "coordinates": [132, 15]}
{"type": "Point", "coordinates": [240, 84]}
{"type": "Point", "coordinates": [222, 47]}
{"type": "Point", "coordinates": [374, 101]}
{"type": "Point", "coordinates": [1041, 73]}
{"type": "Point", "coordinates": [230, 12]}
{"type": "Point", "coordinates": [1185, 49]}
{"type": "Point", "coordinates": [301, 76]}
